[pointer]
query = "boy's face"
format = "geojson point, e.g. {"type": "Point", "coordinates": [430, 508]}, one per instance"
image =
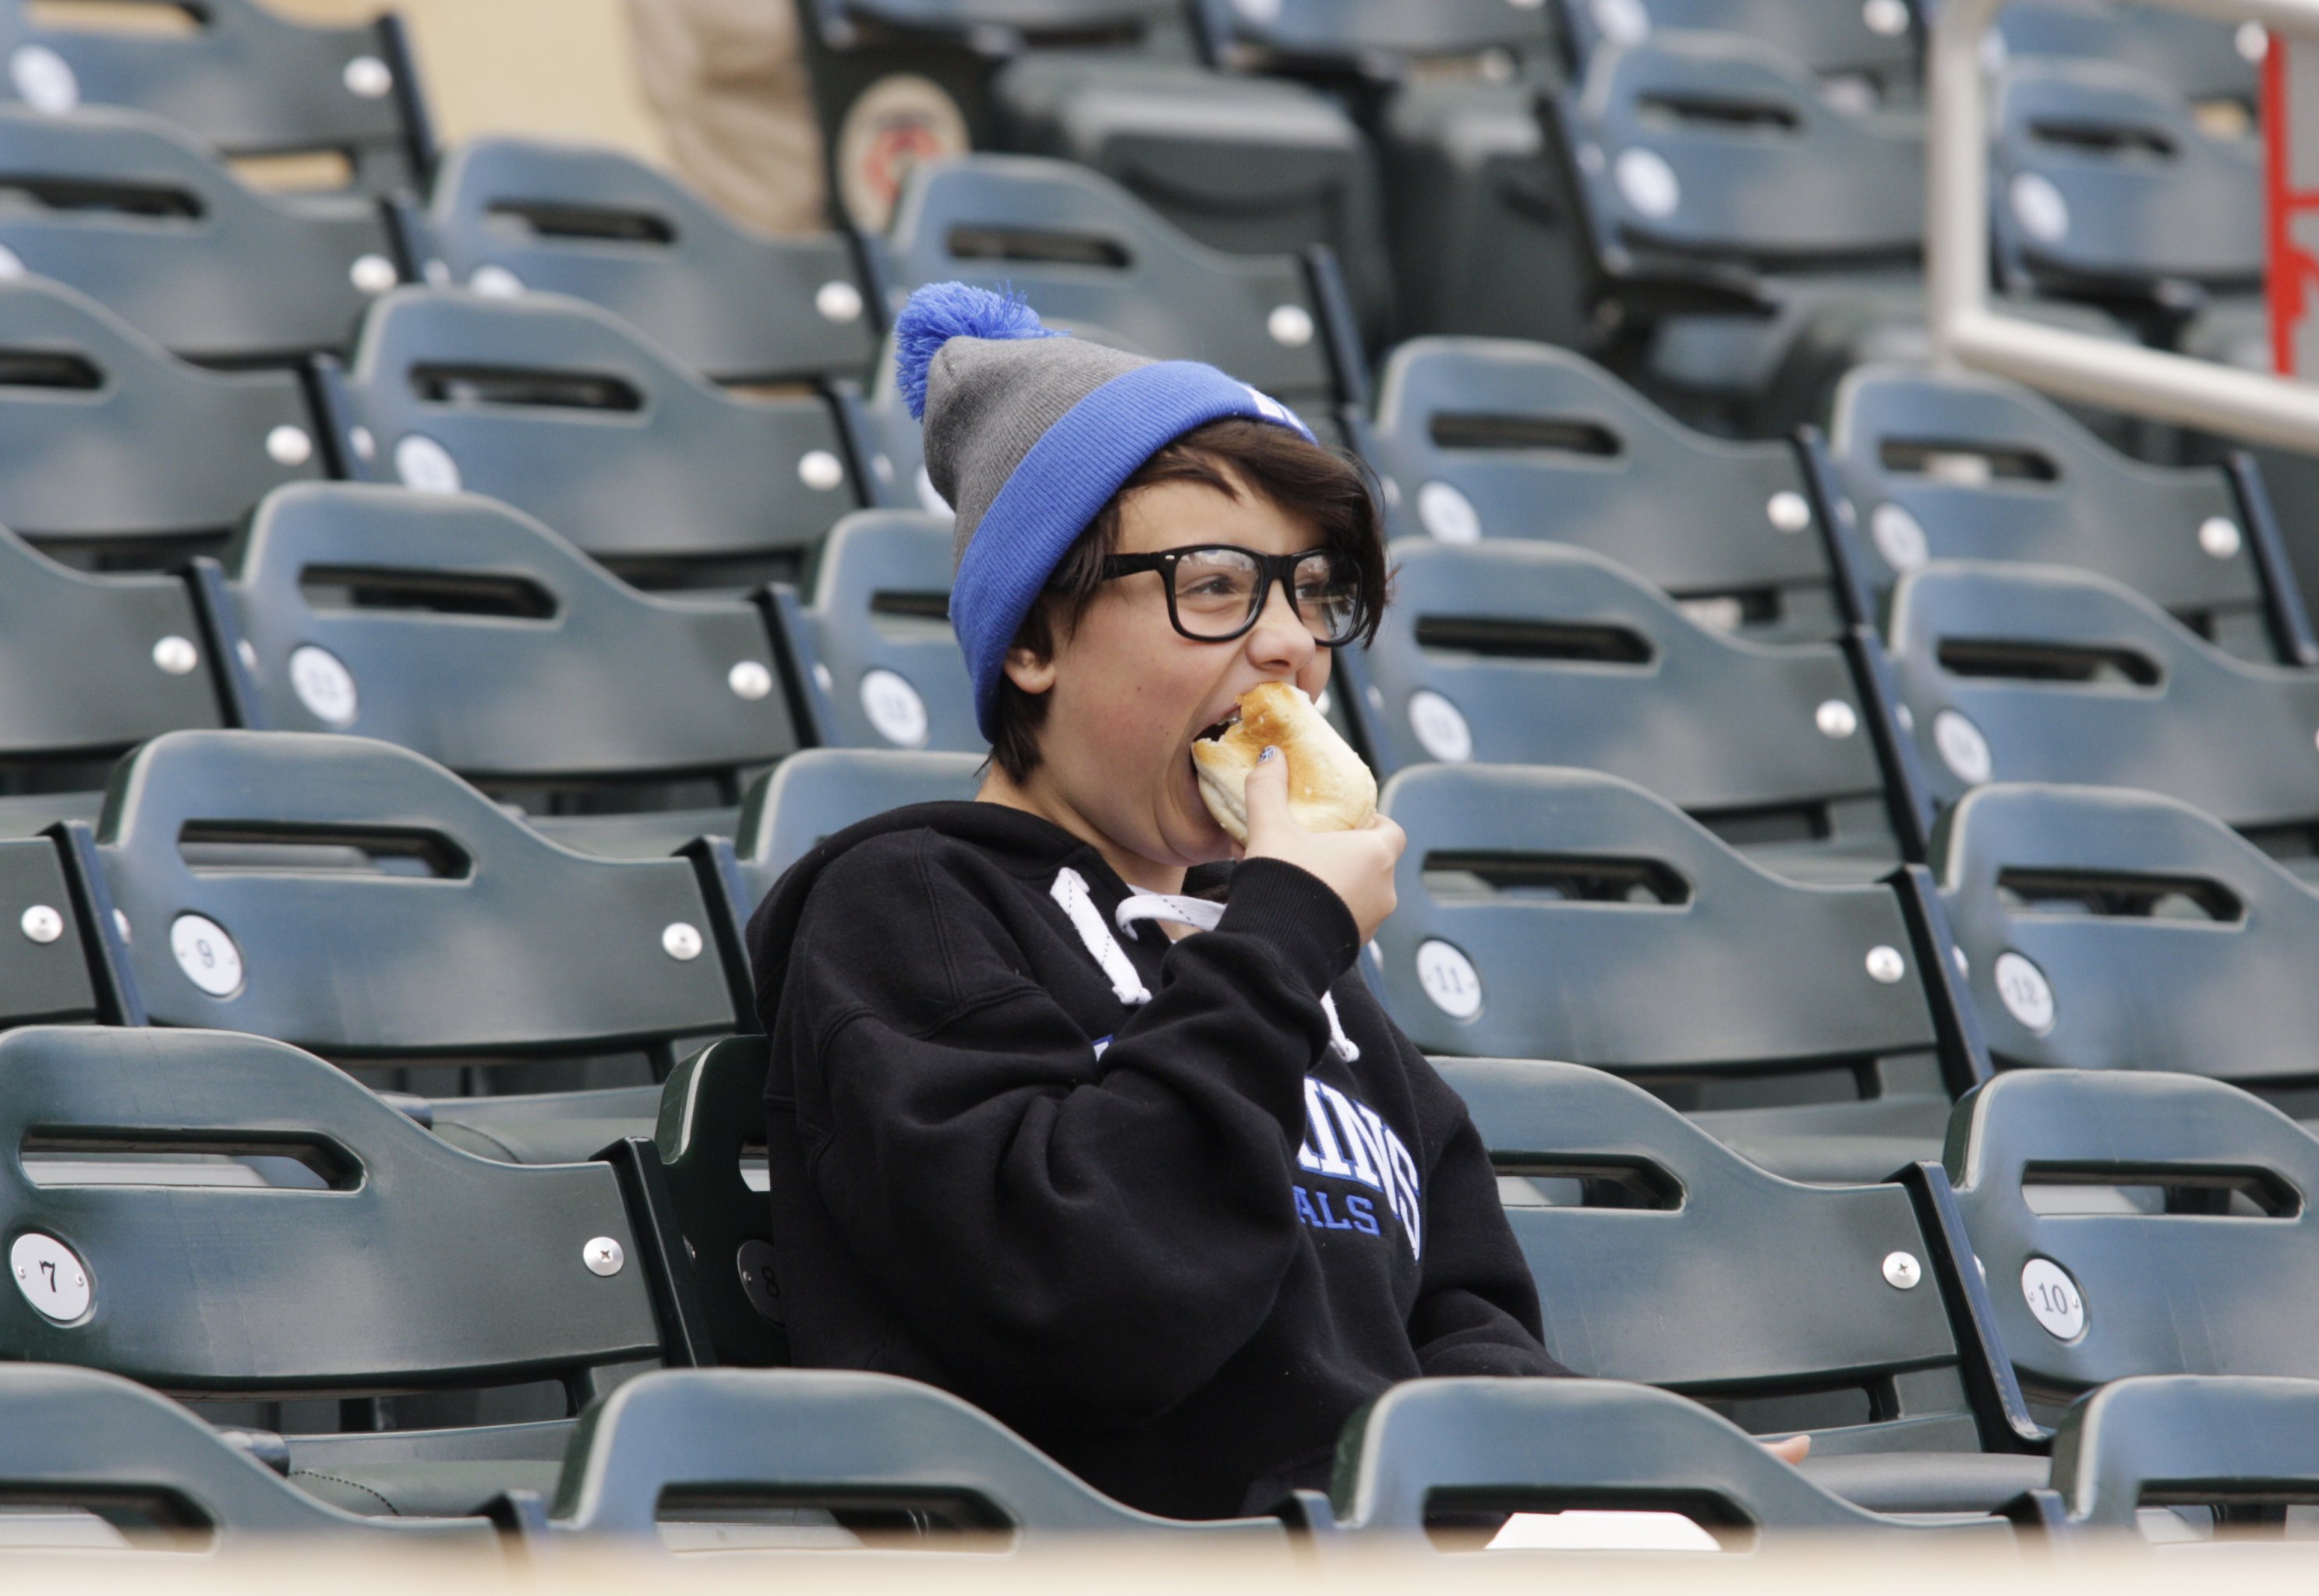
{"type": "Point", "coordinates": [1128, 693]}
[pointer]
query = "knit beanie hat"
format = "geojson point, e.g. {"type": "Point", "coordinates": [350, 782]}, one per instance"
{"type": "Point", "coordinates": [1028, 433]}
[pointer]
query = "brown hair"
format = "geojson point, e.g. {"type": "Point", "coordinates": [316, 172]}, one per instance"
{"type": "Point", "coordinates": [1331, 489]}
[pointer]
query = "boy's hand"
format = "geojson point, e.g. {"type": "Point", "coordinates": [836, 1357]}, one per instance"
{"type": "Point", "coordinates": [1794, 1450]}
{"type": "Point", "coordinates": [1357, 865]}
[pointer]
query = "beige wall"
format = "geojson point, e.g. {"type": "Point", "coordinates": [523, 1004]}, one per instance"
{"type": "Point", "coordinates": [556, 68]}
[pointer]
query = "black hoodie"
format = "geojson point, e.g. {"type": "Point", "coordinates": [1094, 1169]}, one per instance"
{"type": "Point", "coordinates": [1147, 1205]}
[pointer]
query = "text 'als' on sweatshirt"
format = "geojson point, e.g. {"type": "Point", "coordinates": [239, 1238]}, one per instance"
{"type": "Point", "coordinates": [1171, 1210]}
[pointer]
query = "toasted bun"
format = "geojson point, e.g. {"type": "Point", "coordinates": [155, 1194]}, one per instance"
{"type": "Point", "coordinates": [1328, 788]}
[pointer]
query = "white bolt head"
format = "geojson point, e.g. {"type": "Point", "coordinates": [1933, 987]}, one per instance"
{"type": "Point", "coordinates": [368, 77]}
{"type": "Point", "coordinates": [1961, 747]}
{"type": "Point", "coordinates": [680, 941]}
{"type": "Point", "coordinates": [1448, 979]}
{"type": "Point", "coordinates": [2023, 988]}
{"type": "Point", "coordinates": [1646, 183]}
{"type": "Point", "coordinates": [1899, 538]}
{"type": "Point", "coordinates": [1291, 326]}
{"type": "Point", "coordinates": [749, 680]}
{"type": "Point", "coordinates": [120, 924]}
{"type": "Point", "coordinates": [1836, 720]}
{"type": "Point", "coordinates": [2219, 537]}
{"type": "Point", "coordinates": [373, 273]}
{"type": "Point", "coordinates": [438, 272]}
{"type": "Point", "coordinates": [837, 300]}
{"type": "Point", "coordinates": [246, 652]}
{"type": "Point", "coordinates": [822, 677]}
{"type": "Point", "coordinates": [12, 264]}
{"type": "Point", "coordinates": [2038, 206]}
{"type": "Point", "coordinates": [177, 655]}
{"type": "Point", "coordinates": [495, 282]}
{"type": "Point", "coordinates": [820, 471]}
{"type": "Point", "coordinates": [42, 925]}
{"type": "Point", "coordinates": [289, 446]}
{"type": "Point", "coordinates": [43, 79]}
{"type": "Point", "coordinates": [364, 442]}
{"type": "Point", "coordinates": [2252, 42]}
{"type": "Point", "coordinates": [603, 1255]}
{"type": "Point", "coordinates": [1787, 511]}
{"type": "Point", "coordinates": [324, 685]}
{"type": "Point", "coordinates": [424, 465]}
{"type": "Point", "coordinates": [1447, 514]}
{"type": "Point", "coordinates": [1885, 965]}
{"type": "Point", "coordinates": [1440, 727]}
{"type": "Point", "coordinates": [1887, 17]}
{"type": "Point", "coordinates": [1902, 1271]}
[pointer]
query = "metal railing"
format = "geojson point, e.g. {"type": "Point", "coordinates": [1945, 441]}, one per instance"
{"type": "Point", "coordinates": [1967, 331]}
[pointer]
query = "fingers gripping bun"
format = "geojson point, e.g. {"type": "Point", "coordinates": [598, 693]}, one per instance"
{"type": "Point", "coordinates": [1328, 787]}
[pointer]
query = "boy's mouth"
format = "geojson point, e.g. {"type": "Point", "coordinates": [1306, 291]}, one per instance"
{"type": "Point", "coordinates": [1212, 733]}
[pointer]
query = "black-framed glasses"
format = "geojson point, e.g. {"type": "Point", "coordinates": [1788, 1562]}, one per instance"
{"type": "Point", "coordinates": [1215, 590]}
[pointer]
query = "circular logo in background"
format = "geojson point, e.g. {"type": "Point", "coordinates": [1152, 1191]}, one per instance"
{"type": "Point", "coordinates": [894, 124]}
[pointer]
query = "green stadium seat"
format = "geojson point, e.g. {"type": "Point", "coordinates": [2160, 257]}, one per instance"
{"type": "Point", "coordinates": [1508, 652]}
{"type": "Point", "coordinates": [511, 215]}
{"type": "Point", "coordinates": [1494, 439]}
{"type": "Point", "coordinates": [820, 791]}
{"type": "Point", "coordinates": [136, 214]}
{"type": "Point", "coordinates": [466, 631]}
{"type": "Point", "coordinates": [240, 77]}
{"type": "Point", "coordinates": [112, 449]}
{"type": "Point", "coordinates": [1963, 466]}
{"type": "Point", "coordinates": [1559, 914]}
{"type": "Point", "coordinates": [562, 409]}
{"type": "Point", "coordinates": [873, 656]}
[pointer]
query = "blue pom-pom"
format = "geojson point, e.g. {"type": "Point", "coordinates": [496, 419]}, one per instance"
{"type": "Point", "coordinates": [941, 311]}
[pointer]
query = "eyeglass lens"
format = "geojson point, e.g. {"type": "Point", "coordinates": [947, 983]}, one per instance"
{"type": "Point", "coordinates": [1219, 590]}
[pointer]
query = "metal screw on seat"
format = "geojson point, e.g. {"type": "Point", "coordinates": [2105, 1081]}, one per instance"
{"type": "Point", "coordinates": [603, 1255]}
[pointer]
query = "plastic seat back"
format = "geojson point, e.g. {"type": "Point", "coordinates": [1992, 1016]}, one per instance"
{"type": "Point", "coordinates": [1804, 1335]}
{"type": "Point", "coordinates": [1534, 653]}
{"type": "Point", "coordinates": [351, 896]}
{"type": "Point", "coordinates": [1556, 914]}
{"type": "Point", "coordinates": [1493, 439]}
{"type": "Point", "coordinates": [106, 438]}
{"type": "Point", "coordinates": [2110, 929]}
{"type": "Point", "coordinates": [875, 655]}
{"type": "Point", "coordinates": [511, 214]}
{"type": "Point", "coordinates": [1834, 38]}
{"type": "Point", "coordinates": [465, 630]}
{"type": "Point", "coordinates": [711, 1127]}
{"type": "Point", "coordinates": [2030, 674]}
{"type": "Point", "coordinates": [1427, 1446]}
{"type": "Point", "coordinates": [77, 1439]}
{"type": "Point", "coordinates": [90, 665]}
{"type": "Point", "coordinates": [369, 1271]}
{"type": "Point", "coordinates": [44, 971]}
{"type": "Point", "coordinates": [1963, 466]}
{"type": "Point", "coordinates": [1364, 34]}
{"type": "Point", "coordinates": [559, 407]}
{"type": "Point", "coordinates": [241, 78]}
{"type": "Point", "coordinates": [2190, 1439]}
{"type": "Point", "coordinates": [1693, 145]}
{"type": "Point", "coordinates": [2219, 1278]}
{"type": "Point", "coordinates": [138, 216]}
{"type": "Point", "coordinates": [1079, 248]}
{"type": "Point", "coordinates": [2103, 179]}
{"type": "Point", "coordinates": [2199, 57]}
{"type": "Point", "coordinates": [807, 1437]}
{"type": "Point", "coordinates": [820, 791]}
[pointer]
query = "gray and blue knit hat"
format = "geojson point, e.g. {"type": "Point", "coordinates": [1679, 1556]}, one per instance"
{"type": "Point", "coordinates": [1028, 433]}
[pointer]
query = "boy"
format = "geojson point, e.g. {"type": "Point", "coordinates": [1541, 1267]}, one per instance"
{"type": "Point", "coordinates": [1111, 1141]}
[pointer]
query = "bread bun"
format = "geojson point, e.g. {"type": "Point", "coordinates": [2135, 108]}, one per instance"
{"type": "Point", "coordinates": [1328, 787]}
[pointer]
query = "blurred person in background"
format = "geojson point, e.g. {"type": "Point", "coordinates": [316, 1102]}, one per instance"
{"type": "Point", "coordinates": [727, 80]}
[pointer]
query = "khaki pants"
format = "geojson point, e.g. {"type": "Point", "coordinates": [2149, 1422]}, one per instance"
{"type": "Point", "coordinates": [727, 79]}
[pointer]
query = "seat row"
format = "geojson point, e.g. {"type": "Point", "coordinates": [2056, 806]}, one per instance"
{"type": "Point", "coordinates": [175, 1197]}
